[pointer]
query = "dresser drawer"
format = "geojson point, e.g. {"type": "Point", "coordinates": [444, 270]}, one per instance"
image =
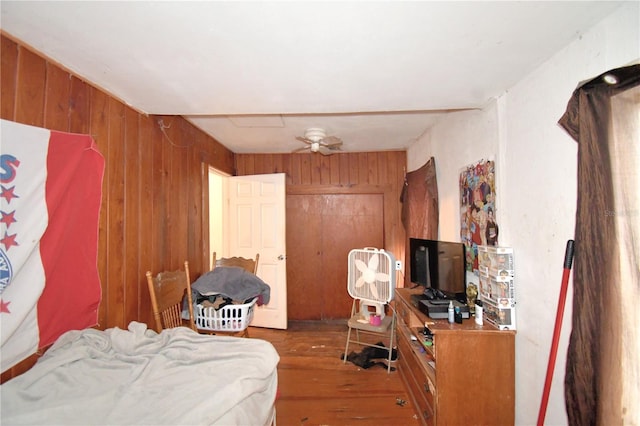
{"type": "Point", "coordinates": [420, 387]}
{"type": "Point", "coordinates": [422, 408]}
{"type": "Point", "coordinates": [403, 312]}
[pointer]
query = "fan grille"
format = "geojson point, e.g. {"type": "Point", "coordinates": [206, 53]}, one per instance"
{"type": "Point", "coordinates": [371, 275]}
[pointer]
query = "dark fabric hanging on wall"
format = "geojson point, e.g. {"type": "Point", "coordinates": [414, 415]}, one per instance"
{"type": "Point", "coordinates": [420, 206]}
{"type": "Point", "coordinates": [602, 378]}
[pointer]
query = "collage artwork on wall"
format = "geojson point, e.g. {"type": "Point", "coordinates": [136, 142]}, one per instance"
{"type": "Point", "coordinates": [478, 209]}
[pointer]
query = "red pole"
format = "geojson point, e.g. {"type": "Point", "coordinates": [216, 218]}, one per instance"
{"type": "Point", "coordinates": [568, 258]}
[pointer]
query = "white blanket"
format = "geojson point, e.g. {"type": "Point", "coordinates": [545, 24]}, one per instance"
{"type": "Point", "coordinates": [119, 377]}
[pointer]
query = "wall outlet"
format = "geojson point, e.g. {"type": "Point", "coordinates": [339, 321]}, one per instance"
{"type": "Point", "coordinates": [398, 265]}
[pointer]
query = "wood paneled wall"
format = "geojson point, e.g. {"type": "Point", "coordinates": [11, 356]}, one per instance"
{"type": "Point", "coordinates": [341, 173]}
{"type": "Point", "coordinates": [155, 197]}
{"type": "Point", "coordinates": [154, 194]}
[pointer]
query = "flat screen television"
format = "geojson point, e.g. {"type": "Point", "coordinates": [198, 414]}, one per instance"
{"type": "Point", "coordinates": [438, 265]}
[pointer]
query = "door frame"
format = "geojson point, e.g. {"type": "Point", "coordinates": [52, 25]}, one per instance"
{"type": "Point", "coordinates": [206, 219]}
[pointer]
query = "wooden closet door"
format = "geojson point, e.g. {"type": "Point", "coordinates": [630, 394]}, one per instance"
{"type": "Point", "coordinates": [304, 256]}
{"type": "Point", "coordinates": [321, 230]}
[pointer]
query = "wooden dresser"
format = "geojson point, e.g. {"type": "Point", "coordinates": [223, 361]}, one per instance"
{"type": "Point", "coordinates": [465, 377]}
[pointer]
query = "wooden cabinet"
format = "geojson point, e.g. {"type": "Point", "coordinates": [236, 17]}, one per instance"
{"type": "Point", "coordinates": [465, 377]}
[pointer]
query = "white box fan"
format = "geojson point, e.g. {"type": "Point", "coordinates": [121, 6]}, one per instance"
{"type": "Point", "coordinates": [371, 278]}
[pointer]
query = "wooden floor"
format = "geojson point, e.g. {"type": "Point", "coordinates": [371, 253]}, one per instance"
{"type": "Point", "coordinates": [317, 388]}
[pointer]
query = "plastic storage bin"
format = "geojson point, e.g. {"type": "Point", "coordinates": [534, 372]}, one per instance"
{"type": "Point", "coordinates": [235, 317]}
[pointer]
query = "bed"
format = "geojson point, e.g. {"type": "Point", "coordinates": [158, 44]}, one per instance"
{"type": "Point", "coordinates": [140, 377]}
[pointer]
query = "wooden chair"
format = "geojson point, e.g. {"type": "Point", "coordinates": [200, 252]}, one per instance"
{"type": "Point", "coordinates": [167, 290]}
{"type": "Point", "coordinates": [250, 265]}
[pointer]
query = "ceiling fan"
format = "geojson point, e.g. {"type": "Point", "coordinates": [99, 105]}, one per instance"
{"type": "Point", "coordinates": [318, 141]}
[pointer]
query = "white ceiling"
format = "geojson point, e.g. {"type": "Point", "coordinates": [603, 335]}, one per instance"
{"type": "Point", "coordinates": [256, 74]}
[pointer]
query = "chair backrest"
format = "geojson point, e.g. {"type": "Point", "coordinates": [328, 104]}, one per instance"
{"type": "Point", "coordinates": [167, 290]}
{"type": "Point", "coordinates": [250, 265]}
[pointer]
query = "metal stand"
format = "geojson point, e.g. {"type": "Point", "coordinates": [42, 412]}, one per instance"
{"type": "Point", "coordinates": [386, 328]}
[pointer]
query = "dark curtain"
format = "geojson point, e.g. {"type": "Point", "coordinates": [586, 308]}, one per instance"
{"type": "Point", "coordinates": [602, 377]}
{"type": "Point", "coordinates": [420, 206]}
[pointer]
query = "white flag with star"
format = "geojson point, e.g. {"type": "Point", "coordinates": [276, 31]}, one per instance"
{"type": "Point", "coordinates": [50, 194]}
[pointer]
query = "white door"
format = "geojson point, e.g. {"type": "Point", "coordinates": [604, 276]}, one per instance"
{"type": "Point", "coordinates": [257, 225]}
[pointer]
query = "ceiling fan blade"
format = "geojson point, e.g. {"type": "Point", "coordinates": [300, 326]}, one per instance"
{"type": "Point", "coordinates": [305, 140]}
{"type": "Point", "coordinates": [332, 141]}
{"type": "Point", "coordinates": [304, 148]}
{"type": "Point", "coordinates": [325, 150]}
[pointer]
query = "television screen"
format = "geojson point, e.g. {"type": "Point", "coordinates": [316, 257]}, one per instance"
{"type": "Point", "coordinates": [419, 263]}
{"type": "Point", "coordinates": [439, 265]}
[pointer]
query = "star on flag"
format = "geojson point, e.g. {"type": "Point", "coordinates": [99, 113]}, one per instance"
{"type": "Point", "coordinates": [9, 241]}
{"type": "Point", "coordinates": [8, 218]}
{"type": "Point", "coordinates": [7, 193]}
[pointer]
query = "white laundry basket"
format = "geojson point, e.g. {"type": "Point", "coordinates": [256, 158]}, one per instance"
{"type": "Point", "coordinates": [228, 318]}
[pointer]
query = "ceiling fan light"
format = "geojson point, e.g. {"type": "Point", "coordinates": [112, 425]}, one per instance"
{"type": "Point", "coordinates": [315, 146]}
{"type": "Point", "coordinates": [315, 134]}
